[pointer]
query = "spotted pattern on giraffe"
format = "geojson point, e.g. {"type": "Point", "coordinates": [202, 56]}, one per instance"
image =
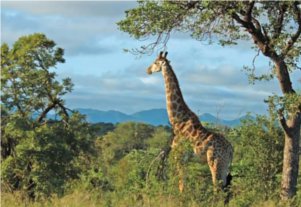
{"type": "Point", "coordinates": [186, 125]}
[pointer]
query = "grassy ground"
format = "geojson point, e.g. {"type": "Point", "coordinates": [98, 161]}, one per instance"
{"type": "Point", "coordinates": [93, 199]}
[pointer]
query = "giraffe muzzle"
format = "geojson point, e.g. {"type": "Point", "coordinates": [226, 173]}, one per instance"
{"type": "Point", "coordinates": [149, 71]}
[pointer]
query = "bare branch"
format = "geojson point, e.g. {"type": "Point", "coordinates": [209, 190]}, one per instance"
{"type": "Point", "coordinates": [164, 155]}
{"type": "Point", "coordinates": [161, 42]}
{"type": "Point", "coordinates": [163, 36]}
{"type": "Point", "coordinates": [254, 59]}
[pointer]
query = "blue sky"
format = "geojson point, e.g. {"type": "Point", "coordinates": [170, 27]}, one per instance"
{"type": "Point", "coordinates": [107, 78]}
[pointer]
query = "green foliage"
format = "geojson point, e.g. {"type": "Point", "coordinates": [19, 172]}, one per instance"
{"type": "Point", "coordinates": [46, 157]}
{"type": "Point", "coordinates": [38, 159]}
{"type": "Point", "coordinates": [150, 18]}
{"type": "Point", "coordinates": [212, 20]}
{"type": "Point", "coordinates": [257, 160]}
{"type": "Point", "coordinates": [132, 171]}
{"type": "Point", "coordinates": [160, 138]}
{"type": "Point", "coordinates": [128, 176]}
{"type": "Point", "coordinates": [195, 172]}
{"type": "Point", "coordinates": [28, 85]}
{"type": "Point", "coordinates": [126, 137]}
{"type": "Point", "coordinates": [69, 162]}
{"type": "Point", "coordinates": [103, 128]}
{"type": "Point", "coordinates": [287, 105]}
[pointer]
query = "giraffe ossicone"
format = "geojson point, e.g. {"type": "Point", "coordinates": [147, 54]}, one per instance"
{"type": "Point", "coordinates": [217, 149]}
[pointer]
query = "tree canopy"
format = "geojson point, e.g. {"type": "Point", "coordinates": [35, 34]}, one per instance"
{"type": "Point", "coordinates": [28, 79]}
{"type": "Point", "coordinates": [274, 27]}
{"type": "Point", "coordinates": [38, 158]}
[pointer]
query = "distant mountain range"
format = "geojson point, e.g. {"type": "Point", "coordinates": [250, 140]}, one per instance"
{"type": "Point", "coordinates": [153, 116]}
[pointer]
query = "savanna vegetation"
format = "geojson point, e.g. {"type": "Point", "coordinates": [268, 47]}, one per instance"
{"type": "Point", "coordinates": [66, 161]}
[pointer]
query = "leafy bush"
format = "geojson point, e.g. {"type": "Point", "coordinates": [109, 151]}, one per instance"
{"type": "Point", "coordinates": [257, 162]}
{"type": "Point", "coordinates": [131, 178]}
{"type": "Point", "coordinates": [46, 157]}
{"type": "Point", "coordinates": [126, 137]}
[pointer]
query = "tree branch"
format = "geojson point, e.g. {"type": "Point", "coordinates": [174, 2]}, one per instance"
{"type": "Point", "coordinates": [45, 112]}
{"type": "Point", "coordinates": [257, 24]}
{"type": "Point", "coordinates": [185, 5]}
{"type": "Point", "coordinates": [64, 109]}
{"type": "Point", "coordinates": [16, 99]}
{"type": "Point", "coordinates": [51, 106]}
{"type": "Point", "coordinates": [283, 121]}
{"type": "Point", "coordinates": [266, 35]}
{"type": "Point", "coordinates": [248, 16]}
{"type": "Point", "coordinates": [279, 25]}
{"type": "Point", "coordinates": [258, 37]}
{"type": "Point", "coordinates": [240, 21]}
{"type": "Point", "coordinates": [295, 36]}
{"type": "Point", "coordinates": [253, 27]}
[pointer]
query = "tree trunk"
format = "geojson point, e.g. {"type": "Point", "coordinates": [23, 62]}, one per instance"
{"type": "Point", "coordinates": [291, 158]}
{"type": "Point", "coordinates": [291, 128]}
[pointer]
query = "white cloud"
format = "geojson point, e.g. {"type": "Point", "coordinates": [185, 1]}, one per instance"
{"type": "Point", "coordinates": [152, 80]}
{"type": "Point", "coordinates": [106, 78]}
{"type": "Point", "coordinates": [84, 32]}
{"type": "Point", "coordinates": [71, 8]}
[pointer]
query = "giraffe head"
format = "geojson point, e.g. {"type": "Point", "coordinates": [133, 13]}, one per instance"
{"type": "Point", "coordinates": [159, 63]}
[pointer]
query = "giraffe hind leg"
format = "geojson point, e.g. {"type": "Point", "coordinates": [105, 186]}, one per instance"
{"type": "Point", "coordinates": [226, 189]}
{"type": "Point", "coordinates": [221, 177]}
{"type": "Point", "coordinates": [228, 181]}
{"type": "Point", "coordinates": [219, 171]}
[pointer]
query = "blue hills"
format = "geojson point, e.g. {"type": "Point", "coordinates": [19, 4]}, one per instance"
{"type": "Point", "coordinates": [153, 116]}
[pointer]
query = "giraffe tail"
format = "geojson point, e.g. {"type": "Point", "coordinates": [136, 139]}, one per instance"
{"type": "Point", "coordinates": [228, 181]}
{"type": "Point", "coordinates": [226, 189]}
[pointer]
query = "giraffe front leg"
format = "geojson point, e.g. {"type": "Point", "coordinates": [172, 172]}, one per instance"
{"type": "Point", "coordinates": [177, 159]}
{"type": "Point", "coordinates": [181, 177]}
{"type": "Point", "coordinates": [175, 142]}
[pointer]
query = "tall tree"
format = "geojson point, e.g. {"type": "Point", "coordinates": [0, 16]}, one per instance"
{"type": "Point", "coordinates": [38, 156]}
{"type": "Point", "coordinates": [273, 26]}
{"type": "Point", "coordinates": [28, 80]}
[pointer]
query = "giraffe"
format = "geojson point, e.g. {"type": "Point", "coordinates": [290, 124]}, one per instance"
{"type": "Point", "coordinates": [214, 147]}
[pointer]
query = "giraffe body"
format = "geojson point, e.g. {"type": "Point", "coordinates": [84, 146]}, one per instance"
{"type": "Point", "coordinates": [186, 124]}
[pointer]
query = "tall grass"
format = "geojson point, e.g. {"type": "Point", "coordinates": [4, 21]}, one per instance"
{"type": "Point", "coordinates": [98, 199]}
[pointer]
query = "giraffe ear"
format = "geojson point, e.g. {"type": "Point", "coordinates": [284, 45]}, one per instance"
{"type": "Point", "coordinates": [165, 54]}
{"type": "Point", "coordinates": [160, 55]}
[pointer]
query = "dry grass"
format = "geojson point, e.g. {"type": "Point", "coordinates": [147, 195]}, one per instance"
{"type": "Point", "coordinates": [92, 199]}
{"type": "Point", "coordinates": [76, 199]}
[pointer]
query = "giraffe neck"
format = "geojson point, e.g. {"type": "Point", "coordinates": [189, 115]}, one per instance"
{"type": "Point", "coordinates": [177, 109]}
{"type": "Point", "coordinates": [183, 120]}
